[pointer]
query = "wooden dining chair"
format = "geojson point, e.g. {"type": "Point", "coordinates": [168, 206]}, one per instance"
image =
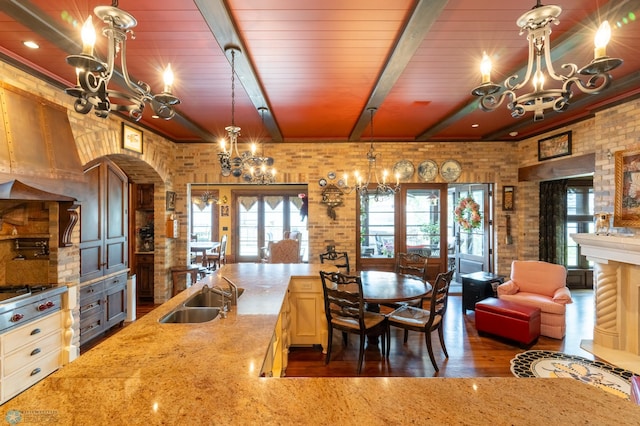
{"type": "Point", "coordinates": [426, 320]}
{"type": "Point", "coordinates": [219, 256]}
{"type": "Point", "coordinates": [416, 265]}
{"type": "Point", "coordinates": [344, 308]}
{"type": "Point", "coordinates": [338, 258]}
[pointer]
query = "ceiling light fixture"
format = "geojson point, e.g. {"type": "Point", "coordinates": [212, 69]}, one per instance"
{"type": "Point", "coordinates": [260, 168]}
{"type": "Point", "coordinates": [537, 24]}
{"type": "Point", "coordinates": [227, 164]}
{"type": "Point", "coordinates": [94, 75]}
{"type": "Point", "coordinates": [383, 189]}
{"type": "Point", "coordinates": [31, 44]}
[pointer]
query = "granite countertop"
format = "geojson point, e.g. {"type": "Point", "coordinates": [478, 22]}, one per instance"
{"type": "Point", "coordinates": [151, 373]}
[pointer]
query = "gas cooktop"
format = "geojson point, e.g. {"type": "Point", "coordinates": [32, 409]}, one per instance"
{"type": "Point", "coordinates": [20, 291]}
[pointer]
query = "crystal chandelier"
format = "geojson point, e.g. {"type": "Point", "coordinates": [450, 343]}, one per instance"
{"type": "Point", "coordinates": [259, 168]}
{"type": "Point", "coordinates": [94, 75]}
{"type": "Point", "coordinates": [251, 167]}
{"type": "Point", "coordinates": [227, 164]}
{"type": "Point", "coordinates": [383, 189]}
{"type": "Point", "coordinates": [537, 24]}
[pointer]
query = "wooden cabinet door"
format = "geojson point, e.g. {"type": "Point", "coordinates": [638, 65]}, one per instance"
{"type": "Point", "coordinates": [144, 277]}
{"type": "Point", "coordinates": [103, 221]}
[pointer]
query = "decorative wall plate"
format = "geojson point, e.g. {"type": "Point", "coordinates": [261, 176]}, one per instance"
{"type": "Point", "coordinates": [322, 182]}
{"type": "Point", "coordinates": [331, 175]}
{"type": "Point", "coordinates": [450, 170]}
{"type": "Point", "coordinates": [404, 169]}
{"type": "Point", "coordinates": [427, 170]}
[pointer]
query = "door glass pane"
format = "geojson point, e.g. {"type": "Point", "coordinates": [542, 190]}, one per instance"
{"type": "Point", "coordinates": [298, 222]}
{"type": "Point", "coordinates": [377, 227]}
{"type": "Point", "coordinates": [472, 241]}
{"type": "Point", "coordinates": [273, 218]}
{"type": "Point", "coordinates": [201, 224]}
{"type": "Point", "coordinates": [422, 213]}
{"type": "Point", "coordinates": [248, 209]}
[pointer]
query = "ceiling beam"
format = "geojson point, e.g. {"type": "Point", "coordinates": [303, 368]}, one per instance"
{"type": "Point", "coordinates": [37, 21]}
{"type": "Point", "coordinates": [563, 45]}
{"type": "Point", "coordinates": [223, 28]}
{"type": "Point", "coordinates": [424, 14]}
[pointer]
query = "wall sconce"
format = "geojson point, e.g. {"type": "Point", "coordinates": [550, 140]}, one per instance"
{"type": "Point", "coordinates": [332, 197]}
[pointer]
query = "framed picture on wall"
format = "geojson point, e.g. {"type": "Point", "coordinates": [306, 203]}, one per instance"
{"type": "Point", "coordinates": [554, 146]}
{"type": "Point", "coordinates": [626, 210]}
{"type": "Point", "coordinates": [131, 138]}
{"type": "Point", "coordinates": [171, 201]}
{"type": "Point", "coordinates": [508, 197]}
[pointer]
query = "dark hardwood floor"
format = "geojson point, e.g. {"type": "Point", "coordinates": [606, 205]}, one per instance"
{"type": "Point", "coordinates": [470, 355]}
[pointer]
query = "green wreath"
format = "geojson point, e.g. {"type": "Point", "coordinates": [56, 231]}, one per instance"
{"type": "Point", "coordinates": [467, 214]}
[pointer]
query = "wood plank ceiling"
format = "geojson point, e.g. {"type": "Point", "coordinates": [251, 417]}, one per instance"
{"type": "Point", "coordinates": [319, 65]}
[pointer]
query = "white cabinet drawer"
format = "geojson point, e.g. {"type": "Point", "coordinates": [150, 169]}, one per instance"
{"type": "Point", "coordinates": [305, 285]}
{"type": "Point", "coordinates": [30, 374]}
{"type": "Point", "coordinates": [31, 332]}
{"type": "Point", "coordinates": [32, 352]}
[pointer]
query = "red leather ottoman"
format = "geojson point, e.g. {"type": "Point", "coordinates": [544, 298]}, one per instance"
{"type": "Point", "coordinates": [509, 320]}
{"type": "Point", "coordinates": [635, 389]}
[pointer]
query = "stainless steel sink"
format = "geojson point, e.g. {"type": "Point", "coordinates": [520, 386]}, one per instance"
{"type": "Point", "coordinates": [209, 298]}
{"type": "Point", "coordinates": [191, 315]}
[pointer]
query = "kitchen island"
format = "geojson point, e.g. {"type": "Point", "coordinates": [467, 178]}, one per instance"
{"type": "Point", "coordinates": [208, 373]}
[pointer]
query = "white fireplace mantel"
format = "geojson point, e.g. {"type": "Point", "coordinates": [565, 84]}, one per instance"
{"type": "Point", "coordinates": [616, 276]}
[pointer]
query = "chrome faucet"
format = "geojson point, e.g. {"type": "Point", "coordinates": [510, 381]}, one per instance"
{"type": "Point", "coordinates": [233, 290]}
{"type": "Point", "coordinates": [224, 308]}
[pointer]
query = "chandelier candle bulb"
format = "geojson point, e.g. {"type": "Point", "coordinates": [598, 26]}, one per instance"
{"type": "Point", "coordinates": [168, 79]}
{"type": "Point", "coordinates": [384, 176]}
{"type": "Point", "coordinates": [603, 35]}
{"type": "Point", "coordinates": [88, 34]}
{"type": "Point", "coordinates": [485, 68]}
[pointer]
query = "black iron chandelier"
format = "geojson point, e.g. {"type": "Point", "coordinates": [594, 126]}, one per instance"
{"type": "Point", "coordinates": [94, 75]}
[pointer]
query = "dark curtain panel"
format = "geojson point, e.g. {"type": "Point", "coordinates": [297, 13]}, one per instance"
{"type": "Point", "coordinates": [553, 221]}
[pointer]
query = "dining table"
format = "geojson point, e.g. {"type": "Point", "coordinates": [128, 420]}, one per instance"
{"type": "Point", "coordinates": [384, 287]}
{"type": "Point", "coordinates": [202, 247]}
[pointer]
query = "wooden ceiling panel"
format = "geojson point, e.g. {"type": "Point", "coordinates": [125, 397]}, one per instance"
{"type": "Point", "coordinates": [318, 64]}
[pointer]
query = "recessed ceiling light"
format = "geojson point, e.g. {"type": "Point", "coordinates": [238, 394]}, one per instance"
{"type": "Point", "coordinates": [513, 134]}
{"type": "Point", "coordinates": [31, 44]}
{"type": "Point", "coordinates": [475, 125]}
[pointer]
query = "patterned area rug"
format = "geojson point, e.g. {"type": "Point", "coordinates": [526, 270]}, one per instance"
{"type": "Point", "coordinates": [557, 364]}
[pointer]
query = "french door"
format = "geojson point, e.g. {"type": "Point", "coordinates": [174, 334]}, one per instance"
{"type": "Point", "coordinates": [410, 221]}
{"type": "Point", "coordinates": [473, 251]}
{"type": "Point", "coordinates": [264, 217]}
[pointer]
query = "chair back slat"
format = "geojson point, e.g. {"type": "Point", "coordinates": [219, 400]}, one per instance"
{"type": "Point", "coordinates": [342, 296]}
{"type": "Point", "coordinates": [440, 296]}
{"type": "Point", "coordinates": [338, 258]}
{"type": "Point", "coordinates": [413, 264]}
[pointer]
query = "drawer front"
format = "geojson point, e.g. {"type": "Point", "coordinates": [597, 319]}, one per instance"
{"type": "Point", "coordinates": [144, 258]}
{"type": "Point", "coordinates": [31, 332]}
{"type": "Point", "coordinates": [92, 305]}
{"type": "Point", "coordinates": [89, 291]}
{"type": "Point", "coordinates": [91, 326]}
{"type": "Point", "coordinates": [117, 280]}
{"type": "Point", "coordinates": [32, 352]}
{"type": "Point", "coordinates": [305, 285]}
{"type": "Point", "coordinates": [30, 375]}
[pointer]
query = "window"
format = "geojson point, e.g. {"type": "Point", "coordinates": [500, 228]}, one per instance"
{"type": "Point", "coordinates": [204, 214]}
{"type": "Point", "coordinates": [580, 211]}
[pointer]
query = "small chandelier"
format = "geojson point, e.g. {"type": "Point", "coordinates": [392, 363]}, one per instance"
{"type": "Point", "coordinates": [537, 23]}
{"type": "Point", "coordinates": [259, 169]}
{"type": "Point", "coordinates": [93, 75]}
{"type": "Point", "coordinates": [227, 164]}
{"type": "Point", "coordinates": [383, 189]}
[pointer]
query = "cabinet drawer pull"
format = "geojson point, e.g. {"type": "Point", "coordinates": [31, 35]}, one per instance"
{"type": "Point", "coordinates": [36, 351]}
{"type": "Point", "coordinates": [36, 371]}
{"type": "Point", "coordinates": [35, 331]}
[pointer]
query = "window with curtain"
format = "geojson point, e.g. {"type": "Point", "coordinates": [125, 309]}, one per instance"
{"type": "Point", "coordinates": [204, 216]}
{"type": "Point", "coordinates": [580, 211]}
